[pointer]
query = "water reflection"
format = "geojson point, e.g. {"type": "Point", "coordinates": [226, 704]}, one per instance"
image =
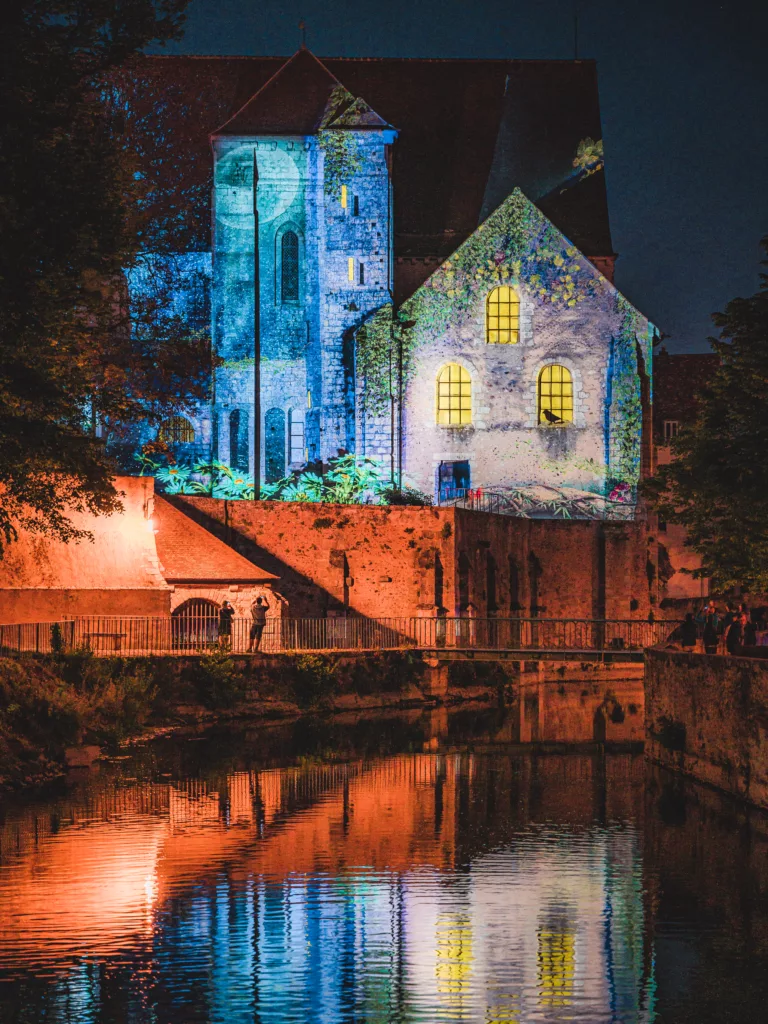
{"type": "Point", "coordinates": [418, 867]}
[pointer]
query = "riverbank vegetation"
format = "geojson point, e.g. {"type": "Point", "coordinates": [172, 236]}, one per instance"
{"type": "Point", "coordinates": [49, 703]}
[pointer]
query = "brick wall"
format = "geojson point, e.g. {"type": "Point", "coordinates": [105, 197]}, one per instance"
{"type": "Point", "coordinates": [707, 716]}
{"type": "Point", "coordinates": [378, 560]}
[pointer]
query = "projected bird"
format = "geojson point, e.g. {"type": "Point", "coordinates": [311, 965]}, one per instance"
{"type": "Point", "coordinates": [550, 416]}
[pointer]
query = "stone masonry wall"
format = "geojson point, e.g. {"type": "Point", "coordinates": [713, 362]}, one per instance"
{"type": "Point", "coordinates": [378, 561]}
{"type": "Point", "coordinates": [707, 716]}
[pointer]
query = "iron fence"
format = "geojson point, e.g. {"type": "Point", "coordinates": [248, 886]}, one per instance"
{"type": "Point", "coordinates": [133, 635]}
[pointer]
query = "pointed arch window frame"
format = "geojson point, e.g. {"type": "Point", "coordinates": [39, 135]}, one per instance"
{"type": "Point", "coordinates": [281, 299]}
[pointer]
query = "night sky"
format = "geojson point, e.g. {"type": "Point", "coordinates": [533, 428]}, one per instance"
{"type": "Point", "coordinates": [683, 99]}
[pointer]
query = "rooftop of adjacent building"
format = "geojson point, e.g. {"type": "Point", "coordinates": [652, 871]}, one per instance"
{"type": "Point", "coordinates": [678, 380]}
{"type": "Point", "coordinates": [469, 132]}
{"type": "Point", "coordinates": [188, 553]}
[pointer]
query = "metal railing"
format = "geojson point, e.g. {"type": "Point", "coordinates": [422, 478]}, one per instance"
{"type": "Point", "coordinates": [134, 636]}
{"type": "Point", "coordinates": [527, 505]}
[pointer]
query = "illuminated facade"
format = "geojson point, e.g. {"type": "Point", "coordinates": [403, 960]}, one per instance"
{"type": "Point", "coordinates": [458, 355]}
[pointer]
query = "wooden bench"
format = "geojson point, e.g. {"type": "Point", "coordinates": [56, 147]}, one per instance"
{"type": "Point", "coordinates": [115, 637]}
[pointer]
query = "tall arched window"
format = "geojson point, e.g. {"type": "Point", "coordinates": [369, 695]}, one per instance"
{"type": "Point", "coordinates": [238, 439]}
{"type": "Point", "coordinates": [502, 316]}
{"type": "Point", "coordinates": [454, 396]}
{"type": "Point", "coordinates": [274, 445]}
{"type": "Point", "coordinates": [555, 395]}
{"type": "Point", "coordinates": [289, 267]}
{"type": "Point", "coordinates": [176, 430]}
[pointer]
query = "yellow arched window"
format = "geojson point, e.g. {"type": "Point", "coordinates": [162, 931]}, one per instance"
{"type": "Point", "coordinates": [176, 430]}
{"type": "Point", "coordinates": [502, 316]}
{"type": "Point", "coordinates": [454, 396]}
{"type": "Point", "coordinates": [555, 395]}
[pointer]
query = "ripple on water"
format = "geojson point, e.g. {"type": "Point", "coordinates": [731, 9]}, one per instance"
{"type": "Point", "coordinates": [508, 887]}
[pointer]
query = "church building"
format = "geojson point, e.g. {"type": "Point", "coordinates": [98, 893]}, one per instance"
{"type": "Point", "coordinates": [409, 261]}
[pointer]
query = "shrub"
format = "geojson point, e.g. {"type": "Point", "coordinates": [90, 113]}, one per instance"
{"type": "Point", "coordinates": [314, 680]}
{"type": "Point", "coordinates": [218, 681]}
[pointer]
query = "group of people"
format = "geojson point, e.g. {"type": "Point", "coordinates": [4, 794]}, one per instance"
{"type": "Point", "coordinates": [738, 627]}
{"type": "Point", "coordinates": [259, 610]}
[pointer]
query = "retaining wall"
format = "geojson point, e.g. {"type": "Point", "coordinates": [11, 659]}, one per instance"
{"type": "Point", "coordinates": [377, 560]}
{"type": "Point", "coordinates": [707, 716]}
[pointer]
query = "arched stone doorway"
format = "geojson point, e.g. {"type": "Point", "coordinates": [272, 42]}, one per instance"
{"type": "Point", "coordinates": [195, 623]}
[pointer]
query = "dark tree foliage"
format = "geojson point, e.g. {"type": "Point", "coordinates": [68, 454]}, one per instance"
{"type": "Point", "coordinates": [717, 484]}
{"type": "Point", "coordinates": [166, 112]}
{"type": "Point", "coordinates": [75, 362]}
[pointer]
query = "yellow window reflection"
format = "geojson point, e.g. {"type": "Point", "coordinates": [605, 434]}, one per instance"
{"type": "Point", "coordinates": [556, 962]}
{"type": "Point", "coordinates": [454, 953]}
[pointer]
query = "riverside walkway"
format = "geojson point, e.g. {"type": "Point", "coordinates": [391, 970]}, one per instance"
{"type": "Point", "coordinates": [454, 637]}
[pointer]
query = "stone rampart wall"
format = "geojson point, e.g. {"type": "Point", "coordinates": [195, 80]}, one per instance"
{"type": "Point", "coordinates": [707, 716]}
{"type": "Point", "coordinates": [385, 561]}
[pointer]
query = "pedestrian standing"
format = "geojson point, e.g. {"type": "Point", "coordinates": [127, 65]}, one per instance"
{"type": "Point", "coordinates": [735, 635]}
{"type": "Point", "coordinates": [258, 622]}
{"type": "Point", "coordinates": [710, 635]}
{"type": "Point", "coordinates": [688, 633]}
{"type": "Point", "coordinates": [750, 632]}
{"type": "Point", "coordinates": [226, 614]}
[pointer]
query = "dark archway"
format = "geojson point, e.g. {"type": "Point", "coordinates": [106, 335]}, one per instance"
{"type": "Point", "coordinates": [195, 623]}
{"type": "Point", "coordinates": [238, 440]}
{"type": "Point", "coordinates": [274, 445]}
{"type": "Point", "coordinates": [464, 582]}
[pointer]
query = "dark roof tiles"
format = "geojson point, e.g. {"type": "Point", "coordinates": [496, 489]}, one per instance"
{"type": "Point", "coordinates": [469, 132]}
{"type": "Point", "coordinates": [301, 98]}
{"type": "Point", "coordinates": [188, 553]}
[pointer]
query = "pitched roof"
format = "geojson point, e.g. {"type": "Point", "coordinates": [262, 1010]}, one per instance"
{"type": "Point", "coordinates": [299, 99]}
{"type": "Point", "coordinates": [469, 131]}
{"type": "Point", "coordinates": [188, 553]}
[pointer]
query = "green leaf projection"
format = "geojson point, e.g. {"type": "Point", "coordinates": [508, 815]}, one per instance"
{"type": "Point", "coordinates": [343, 159]}
{"type": "Point", "coordinates": [516, 245]}
{"type": "Point", "coordinates": [534, 395]}
{"type": "Point", "coordinates": [571, 325]}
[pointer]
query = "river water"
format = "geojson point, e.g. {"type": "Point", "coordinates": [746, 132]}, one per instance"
{"type": "Point", "coordinates": [487, 865]}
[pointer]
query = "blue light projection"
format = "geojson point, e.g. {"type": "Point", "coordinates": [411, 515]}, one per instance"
{"type": "Point", "coordinates": [341, 372]}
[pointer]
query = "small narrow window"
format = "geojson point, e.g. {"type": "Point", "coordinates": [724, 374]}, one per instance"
{"type": "Point", "coordinates": [344, 197]}
{"type": "Point", "coordinates": [671, 427]}
{"type": "Point", "coordinates": [361, 276]}
{"type": "Point", "coordinates": [289, 267]}
{"type": "Point", "coordinates": [454, 396]}
{"type": "Point", "coordinates": [502, 316]}
{"type": "Point", "coordinates": [555, 395]}
{"type": "Point", "coordinates": [296, 446]}
{"type": "Point", "coordinates": [355, 206]}
{"type": "Point", "coordinates": [351, 269]}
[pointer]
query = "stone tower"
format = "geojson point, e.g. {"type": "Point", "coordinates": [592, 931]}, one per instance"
{"type": "Point", "coordinates": [318, 265]}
